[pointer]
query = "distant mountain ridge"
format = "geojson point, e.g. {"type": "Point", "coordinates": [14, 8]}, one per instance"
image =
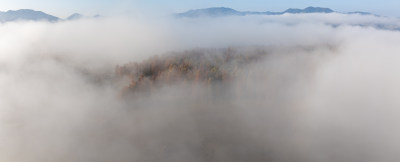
{"type": "Point", "coordinates": [214, 12]}
{"type": "Point", "coordinates": [309, 10]}
{"type": "Point", "coordinates": [32, 15]}
{"type": "Point", "coordinates": [26, 14]}
{"type": "Point", "coordinates": [223, 11]}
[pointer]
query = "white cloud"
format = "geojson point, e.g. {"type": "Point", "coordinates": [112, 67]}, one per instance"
{"type": "Point", "coordinates": [322, 93]}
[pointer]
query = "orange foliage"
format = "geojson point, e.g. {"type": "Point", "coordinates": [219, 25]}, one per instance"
{"type": "Point", "coordinates": [195, 67]}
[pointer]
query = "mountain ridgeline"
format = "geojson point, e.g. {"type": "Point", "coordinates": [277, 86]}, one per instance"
{"type": "Point", "coordinates": [32, 15]}
{"type": "Point", "coordinates": [223, 11]}
{"type": "Point", "coordinates": [26, 14]}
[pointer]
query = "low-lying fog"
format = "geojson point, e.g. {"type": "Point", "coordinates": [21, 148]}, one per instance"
{"type": "Point", "coordinates": [326, 89]}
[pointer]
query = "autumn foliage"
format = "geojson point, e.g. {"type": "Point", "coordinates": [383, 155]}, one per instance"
{"type": "Point", "coordinates": [193, 67]}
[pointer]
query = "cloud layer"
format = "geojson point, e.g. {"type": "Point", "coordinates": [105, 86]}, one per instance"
{"type": "Point", "coordinates": [323, 92]}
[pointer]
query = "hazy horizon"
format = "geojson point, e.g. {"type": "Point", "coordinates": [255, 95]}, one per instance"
{"type": "Point", "coordinates": [64, 8]}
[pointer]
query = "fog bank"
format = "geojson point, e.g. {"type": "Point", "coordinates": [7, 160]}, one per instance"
{"type": "Point", "coordinates": [321, 92]}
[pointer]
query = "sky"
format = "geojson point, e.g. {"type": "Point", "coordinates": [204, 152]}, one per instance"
{"type": "Point", "coordinates": [64, 8]}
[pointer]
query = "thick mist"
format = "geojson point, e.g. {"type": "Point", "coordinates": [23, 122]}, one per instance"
{"type": "Point", "coordinates": [326, 89]}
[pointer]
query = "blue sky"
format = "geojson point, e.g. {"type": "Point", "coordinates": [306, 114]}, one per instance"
{"type": "Point", "coordinates": [63, 8]}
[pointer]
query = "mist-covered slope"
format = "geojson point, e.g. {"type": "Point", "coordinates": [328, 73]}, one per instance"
{"type": "Point", "coordinates": [75, 16]}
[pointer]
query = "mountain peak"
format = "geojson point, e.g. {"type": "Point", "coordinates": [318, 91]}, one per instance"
{"type": "Point", "coordinates": [211, 12]}
{"type": "Point", "coordinates": [22, 10]}
{"type": "Point", "coordinates": [32, 15]}
{"type": "Point", "coordinates": [318, 10]}
{"type": "Point", "coordinates": [75, 16]}
{"type": "Point", "coordinates": [309, 10]}
{"type": "Point", "coordinates": [26, 14]}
